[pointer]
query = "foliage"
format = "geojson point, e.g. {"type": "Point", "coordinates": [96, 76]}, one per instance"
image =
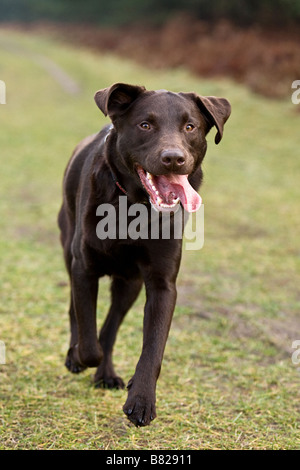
{"type": "Point", "coordinates": [246, 12]}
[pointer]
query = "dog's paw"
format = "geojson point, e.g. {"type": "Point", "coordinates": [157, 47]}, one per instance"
{"type": "Point", "coordinates": [72, 361]}
{"type": "Point", "coordinates": [106, 377]}
{"type": "Point", "coordinates": [140, 410]}
{"type": "Point", "coordinates": [109, 382]}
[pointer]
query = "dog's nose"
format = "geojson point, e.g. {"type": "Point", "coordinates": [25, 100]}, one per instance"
{"type": "Point", "coordinates": [172, 158]}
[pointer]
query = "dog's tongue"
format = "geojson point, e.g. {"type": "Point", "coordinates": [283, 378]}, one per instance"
{"type": "Point", "coordinates": [178, 186]}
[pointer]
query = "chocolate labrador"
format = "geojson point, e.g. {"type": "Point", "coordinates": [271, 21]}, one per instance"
{"type": "Point", "coordinates": [151, 155]}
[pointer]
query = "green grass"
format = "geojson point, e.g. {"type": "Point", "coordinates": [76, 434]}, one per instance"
{"type": "Point", "coordinates": [227, 381]}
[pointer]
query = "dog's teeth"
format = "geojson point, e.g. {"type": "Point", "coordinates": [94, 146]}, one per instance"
{"type": "Point", "coordinates": [153, 187]}
{"type": "Point", "coordinates": [159, 200]}
{"type": "Point", "coordinates": [149, 176]}
{"type": "Point", "coordinates": [168, 206]}
{"type": "Point", "coordinates": [156, 192]}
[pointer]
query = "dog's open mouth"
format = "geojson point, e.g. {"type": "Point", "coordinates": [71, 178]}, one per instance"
{"type": "Point", "coordinates": [167, 191]}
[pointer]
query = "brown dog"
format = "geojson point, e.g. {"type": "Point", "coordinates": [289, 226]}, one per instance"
{"type": "Point", "coordinates": [151, 153]}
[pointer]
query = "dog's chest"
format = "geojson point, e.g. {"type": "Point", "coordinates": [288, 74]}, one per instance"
{"type": "Point", "coordinates": [119, 260]}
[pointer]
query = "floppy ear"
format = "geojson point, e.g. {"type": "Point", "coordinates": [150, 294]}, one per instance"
{"type": "Point", "coordinates": [117, 98]}
{"type": "Point", "coordinates": [216, 110]}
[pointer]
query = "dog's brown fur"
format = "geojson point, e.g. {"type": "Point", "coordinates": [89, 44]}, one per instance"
{"type": "Point", "coordinates": [164, 134]}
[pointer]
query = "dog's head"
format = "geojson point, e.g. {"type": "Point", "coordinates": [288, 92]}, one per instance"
{"type": "Point", "coordinates": [161, 138]}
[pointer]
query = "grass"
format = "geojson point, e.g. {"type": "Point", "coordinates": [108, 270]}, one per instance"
{"type": "Point", "coordinates": [227, 381]}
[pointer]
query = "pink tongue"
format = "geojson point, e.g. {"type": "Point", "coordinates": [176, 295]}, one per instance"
{"type": "Point", "coordinates": [180, 186]}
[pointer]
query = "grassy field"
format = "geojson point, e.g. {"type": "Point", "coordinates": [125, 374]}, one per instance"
{"type": "Point", "coordinates": [228, 380]}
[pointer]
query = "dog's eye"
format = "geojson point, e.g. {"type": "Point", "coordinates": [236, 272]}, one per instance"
{"type": "Point", "coordinates": [145, 126]}
{"type": "Point", "coordinates": [189, 127]}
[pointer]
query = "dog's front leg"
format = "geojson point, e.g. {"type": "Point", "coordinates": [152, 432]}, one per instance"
{"type": "Point", "coordinates": [159, 308]}
{"type": "Point", "coordinates": [84, 292]}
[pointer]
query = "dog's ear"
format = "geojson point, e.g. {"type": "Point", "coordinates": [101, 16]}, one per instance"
{"type": "Point", "coordinates": [216, 110]}
{"type": "Point", "coordinates": [117, 98]}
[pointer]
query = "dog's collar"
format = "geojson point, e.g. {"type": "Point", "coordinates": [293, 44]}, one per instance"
{"type": "Point", "coordinates": [112, 173]}
{"type": "Point", "coordinates": [110, 128]}
{"type": "Point", "coordinates": [117, 182]}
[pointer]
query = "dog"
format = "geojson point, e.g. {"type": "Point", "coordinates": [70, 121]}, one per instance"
{"type": "Point", "coordinates": [151, 153]}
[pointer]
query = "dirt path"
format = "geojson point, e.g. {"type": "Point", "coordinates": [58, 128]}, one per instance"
{"type": "Point", "coordinates": [66, 82]}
